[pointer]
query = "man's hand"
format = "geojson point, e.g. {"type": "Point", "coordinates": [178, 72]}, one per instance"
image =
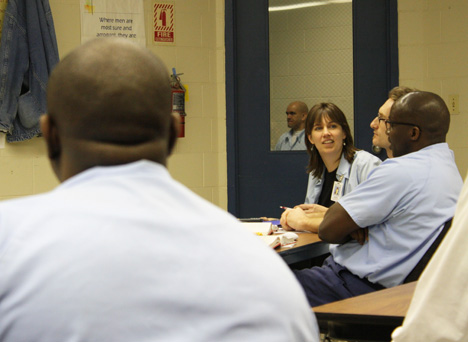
{"type": "Point", "coordinates": [337, 226]}
{"type": "Point", "coordinates": [361, 235]}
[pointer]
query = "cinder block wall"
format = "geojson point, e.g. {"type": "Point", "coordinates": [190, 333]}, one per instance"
{"type": "Point", "coordinates": [433, 55]}
{"type": "Point", "coordinates": [199, 160]}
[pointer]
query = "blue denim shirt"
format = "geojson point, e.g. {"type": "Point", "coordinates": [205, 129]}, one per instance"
{"type": "Point", "coordinates": [28, 52]}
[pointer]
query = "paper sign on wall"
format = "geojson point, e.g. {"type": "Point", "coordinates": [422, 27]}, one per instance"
{"type": "Point", "coordinates": [113, 18]}
{"type": "Point", "coordinates": [163, 15]}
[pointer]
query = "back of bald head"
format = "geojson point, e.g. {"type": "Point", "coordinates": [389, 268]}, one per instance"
{"type": "Point", "coordinates": [425, 109]}
{"type": "Point", "coordinates": [110, 92]}
{"type": "Point", "coordinates": [300, 106]}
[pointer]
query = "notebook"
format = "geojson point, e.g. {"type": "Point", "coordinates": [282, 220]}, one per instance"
{"type": "Point", "coordinates": [259, 228]}
{"type": "Point", "coordinates": [271, 240]}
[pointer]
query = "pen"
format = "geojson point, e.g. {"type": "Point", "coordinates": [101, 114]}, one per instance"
{"type": "Point", "coordinates": [284, 207]}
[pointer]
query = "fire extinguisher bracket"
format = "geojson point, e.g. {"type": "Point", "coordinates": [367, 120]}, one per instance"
{"type": "Point", "coordinates": [178, 100]}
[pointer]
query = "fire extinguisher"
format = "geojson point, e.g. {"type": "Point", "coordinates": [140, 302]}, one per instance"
{"type": "Point", "coordinates": [178, 100]}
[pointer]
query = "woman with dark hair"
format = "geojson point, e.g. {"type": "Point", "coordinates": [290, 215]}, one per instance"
{"type": "Point", "coordinates": [335, 167]}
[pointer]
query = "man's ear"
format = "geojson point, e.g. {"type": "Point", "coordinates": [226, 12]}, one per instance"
{"type": "Point", "coordinates": [49, 131]}
{"type": "Point", "coordinates": [173, 132]}
{"type": "Point", "coordinates": [415, 133]}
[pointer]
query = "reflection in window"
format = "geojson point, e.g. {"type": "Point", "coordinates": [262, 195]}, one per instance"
{"type": "Point", "coordinates": [311, 58]}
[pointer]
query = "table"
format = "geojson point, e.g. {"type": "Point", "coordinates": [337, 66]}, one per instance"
{"type": "Point", "coordinates": [308, 246]}
{"type": "Point", "coordinates": [372, 316]}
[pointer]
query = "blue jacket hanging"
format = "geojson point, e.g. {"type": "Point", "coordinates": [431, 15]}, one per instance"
{"type": "Point", "coordinates": [28, 53]}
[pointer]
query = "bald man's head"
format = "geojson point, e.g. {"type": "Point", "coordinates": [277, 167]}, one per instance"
{"type": "Point", "coordinates": [426, 109]}
{"type": "Point", "coordinates": [109, 102]}
{"type": "Point", "coordinates": [417, 120]}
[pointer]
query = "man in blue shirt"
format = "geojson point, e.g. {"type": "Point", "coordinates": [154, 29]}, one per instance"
{"type": "Point", "coordinates": [385, 225]}
{"type": "Point", "coordinates": [120, 251]}
{"type": "Point", "coordinates": [293, 139]}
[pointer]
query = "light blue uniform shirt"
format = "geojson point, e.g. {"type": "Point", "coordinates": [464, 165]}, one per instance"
{"type": "Point", "coordinates": [288, 142]}
{"type": "Point", "coordinates": [126, 253]}
{"type": "Point", "coordinates": [350, 174]}
{"type": "Point", "coordinates": [404, 203]}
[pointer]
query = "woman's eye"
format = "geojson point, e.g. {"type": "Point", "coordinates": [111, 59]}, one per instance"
{"type": "Point", "coordinates": [317, 128]}
{"type": "Point", "coordinates": [333, 127]}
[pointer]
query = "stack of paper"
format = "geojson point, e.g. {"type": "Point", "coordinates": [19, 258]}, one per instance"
{"type": "Point", "coordinates": [264, 231]}
{"type": "Point", "coordinates": [259, 228]}
{"type": "Point", "coordinates": [272, 240]}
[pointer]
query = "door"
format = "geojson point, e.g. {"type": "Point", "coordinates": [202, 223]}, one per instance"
{"type": "Point", "coordinates": [260, 180]}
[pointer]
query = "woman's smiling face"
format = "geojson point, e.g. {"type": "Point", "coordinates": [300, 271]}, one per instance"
{"type": "Point", "coordinates": [327, 137]}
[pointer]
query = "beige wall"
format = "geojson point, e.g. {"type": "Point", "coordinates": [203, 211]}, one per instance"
{"type": "Point", "coordinates": [199, 160]}
{"type": "Point", "coordinates": [311, 59]}
{"type": "Point", "coordinates": [433, 56]}
{"type": "Point", "coordinates": [433, 43]}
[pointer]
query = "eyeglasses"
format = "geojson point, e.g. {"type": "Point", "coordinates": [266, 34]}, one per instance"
{"type": "Point", "coordinates": [290, 113]}
{"type": "Point", "coordinates": [389, 124]}
{"type": "Point", "coordinates": [380, 119]}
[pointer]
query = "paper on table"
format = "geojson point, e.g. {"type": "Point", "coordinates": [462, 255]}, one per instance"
{"type": "Point", "coordinates": [259, 228]}
{"type": "Point", "coordinates": [271, 240]}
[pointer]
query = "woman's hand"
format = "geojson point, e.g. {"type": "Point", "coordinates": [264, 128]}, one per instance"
{"type": "Point", "coordinates": [312, 208]}
{"type": "Point", "coordinates": [284, 220]}
{"type": "Point", "coordinates": [298, 219]}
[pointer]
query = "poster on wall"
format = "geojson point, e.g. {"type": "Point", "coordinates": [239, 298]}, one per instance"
{"type": "Point", "coordinates": [113, 18]}
{"type": "Point", "coordinates": [163, 23]}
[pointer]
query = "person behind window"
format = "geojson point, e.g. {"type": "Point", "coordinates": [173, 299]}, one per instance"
{"type": "Point", "coordinates": [293, 140]}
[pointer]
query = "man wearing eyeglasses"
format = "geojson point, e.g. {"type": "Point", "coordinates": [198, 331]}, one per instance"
{"type": "Point", "coordinates": [294, 140]}
{"type": "Point", "coordinates": [380, 138]}
{"type": "Point", "coordinates": [385, 225]}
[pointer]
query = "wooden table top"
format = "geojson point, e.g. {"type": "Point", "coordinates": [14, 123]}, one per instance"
{"type": "Point", "coordinates": [387, 306]}
{"type": "Point", "coordinates": [308, 246]}
{"type": "Point", "coordinates": [303, 239]}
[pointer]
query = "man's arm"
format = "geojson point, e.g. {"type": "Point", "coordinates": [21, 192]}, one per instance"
{"type": "Point", "coordinates": [337, 225]}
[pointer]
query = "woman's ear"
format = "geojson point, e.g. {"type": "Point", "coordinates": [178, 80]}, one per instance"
{"type": "Point", "coordinates": [49, 131]}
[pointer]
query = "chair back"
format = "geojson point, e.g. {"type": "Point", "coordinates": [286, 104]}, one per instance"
{"type": "Point", "coordinates": [421, 265]}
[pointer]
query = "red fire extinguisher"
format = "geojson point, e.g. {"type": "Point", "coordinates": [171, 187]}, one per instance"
{"type": "Point", "coordinates": [178, 100]}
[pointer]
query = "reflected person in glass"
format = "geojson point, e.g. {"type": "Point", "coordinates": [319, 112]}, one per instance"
{"type": "Point", "coordinates": [294, 139]}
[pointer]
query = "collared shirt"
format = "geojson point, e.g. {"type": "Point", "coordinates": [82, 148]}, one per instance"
{"type": "Point", "coordinates": [125, 253]}
{"type": "Point", "coordinates": [350, 174]}
{"type": "Point", "coordinates": [404, 203]}
{"type": "Point", "coordinates": [290, 142]}
{"type": "Point", "coordinates": [438, 310]}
